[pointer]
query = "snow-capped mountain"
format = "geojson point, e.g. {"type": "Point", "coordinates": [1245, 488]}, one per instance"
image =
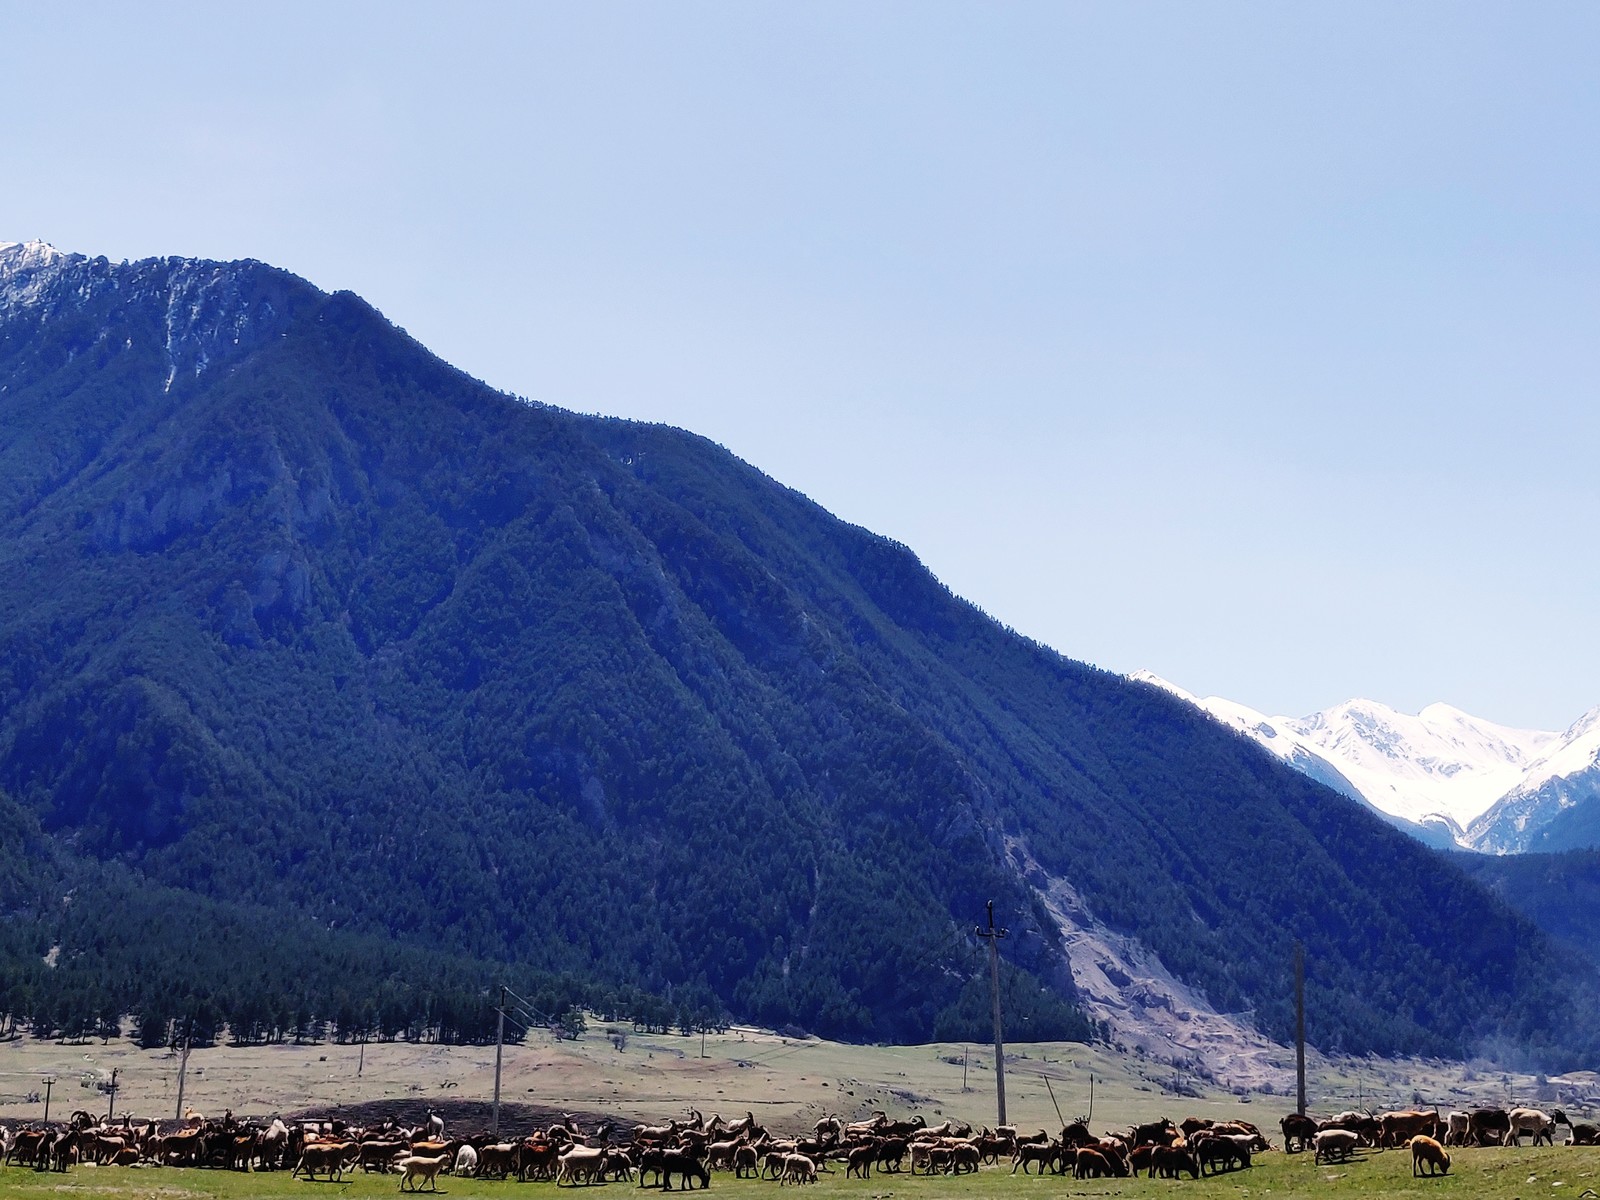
{"type": "Point", "coordinates": [1544, 811]}
{"type": "Point", "coordinates": [1440, 763]}
{"type": "Point", "coordinates": [1274, 733]}
{"type": "Point", "coordinates": [1442, 775]}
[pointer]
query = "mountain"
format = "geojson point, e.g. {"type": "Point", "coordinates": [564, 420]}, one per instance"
{"type": "Point", "coordinates": [303, 621]}
{"type": "Point", "coordinates": [1553, 806]}
{"type": "Point", "coordinates": [1298, 744]}
{"type": "Point", "coordinates": [1558, 890]}
{"type": "Point", "coordinates": [1445, 777]}
{"type": "Point", "coordinates": [1440, 763]}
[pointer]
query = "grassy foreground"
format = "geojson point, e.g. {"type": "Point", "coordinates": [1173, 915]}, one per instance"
{"type": "Point", "coordinates": [1560, 1173]}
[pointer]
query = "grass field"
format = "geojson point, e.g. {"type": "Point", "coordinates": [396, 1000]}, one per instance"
{"type": "Point", "coordinates": [787, 1083]}
{"type": "Point", "coordinates": [1561, 1173]}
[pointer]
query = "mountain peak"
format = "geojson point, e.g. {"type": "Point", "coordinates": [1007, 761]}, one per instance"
{"type": "Point", "coordinates": [1154, 680]}
{"type": "Point", "coordinates": [196, 312]}
{"type": "Point", "coordinates": [25, 271]}
{"type": "Point", "coordinates": [28, 254]}
{"type": "Point", "coordinates": [1442, 763]}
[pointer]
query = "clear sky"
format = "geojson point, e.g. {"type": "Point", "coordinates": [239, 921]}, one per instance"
{"type": "Point", "coordinates": [1255, 344]}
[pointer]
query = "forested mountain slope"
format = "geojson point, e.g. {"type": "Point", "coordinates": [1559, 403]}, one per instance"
{"type": "Point", "coordinates": [1557, 891]}
{"type": "Point", "coordinates": [301, 616]}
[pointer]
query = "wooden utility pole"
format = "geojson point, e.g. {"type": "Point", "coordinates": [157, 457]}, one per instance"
{"type": "Point", "coordinates": [993, 936]}
{"type": "Point", "coordinates": [499, 1046]}
{"type": "Point", "coordinates": [1300, 1027]}
{"type": "Point", "coordinates": [49, 1082]}
{"type": "Point", "coordinates": [183, 1068]}
{"type": "Point", "coordinates": [112, 1106]}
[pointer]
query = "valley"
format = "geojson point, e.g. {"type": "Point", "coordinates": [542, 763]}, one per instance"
{"type": "Point", "coordinates": [337, 686]}
{"type": "Point", "coordinates": [613, 1071]}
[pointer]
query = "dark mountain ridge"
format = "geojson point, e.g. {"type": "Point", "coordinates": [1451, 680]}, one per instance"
{"type": "Point", "coordinates": [303, 617]}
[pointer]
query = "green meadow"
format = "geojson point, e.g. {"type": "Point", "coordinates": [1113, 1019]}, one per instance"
{"type": "Point", "coordinates": [1561, 1173]}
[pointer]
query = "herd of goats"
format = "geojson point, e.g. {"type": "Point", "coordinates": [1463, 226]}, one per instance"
{"type": "Point", "coordinates": [687, 1152]}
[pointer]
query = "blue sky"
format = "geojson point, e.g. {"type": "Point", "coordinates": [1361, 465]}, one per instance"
{"type": "Point", "coordinates": [1253, 344]}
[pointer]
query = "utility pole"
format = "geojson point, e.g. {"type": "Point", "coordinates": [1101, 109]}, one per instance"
{"type": "Point", "coordinates": [112, 1107]}
{"type": "Point", "coordinates": [49, 1082]}
{"type": "Point", "coordinates": [499, 1046]}
{"type": "Point", "coordinates": [993, 936]}
{"type": "Point", "coordinates": [183, 1069]}
{"type": "Point", "coordinates": [1300, 1026]}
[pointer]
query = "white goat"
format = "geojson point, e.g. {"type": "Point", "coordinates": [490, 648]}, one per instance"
{"type": "Point", "coordinates": [414, 1167]}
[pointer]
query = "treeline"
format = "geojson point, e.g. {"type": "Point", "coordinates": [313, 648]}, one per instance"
{"type": "Point", "coordinates": [165, 968]}
{"type": "Point", "coordinates": [92, 950]}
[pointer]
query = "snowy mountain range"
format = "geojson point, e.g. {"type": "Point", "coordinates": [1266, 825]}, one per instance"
{"type": "Point", "coordinates": [1444, 776]}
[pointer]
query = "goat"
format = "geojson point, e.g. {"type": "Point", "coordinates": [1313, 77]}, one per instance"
{"type": "Point", "coordinates": [1488, 1126]}
{"type": "Point", "coordinates": [1090, 1163]}
{"type": "Point", "coordinates": [328, 1157]}
{"type": "Point", "coordinates": [25, 1148]}
{"type": "Point", "coordinates": [1046, 1155]}
{"type": "Point", "coordinates": [581, 1163]}
{"type": "Point", "coordinates": [1298, 1130]}
{"type": "Point", "coordinates": [859, 1160]}
{"type": "Point", "coordinates": [1169, 1161]}
{"type": "Point", "coordinates": [1333, 1145]}
{"type": "Point", "coordinates": [619, 1165]}
{"type": "Point", "coordinates": [746, 1162]}
{"type": "Point", "coordinates": [1397, 1128]}
{"type": "Point", "coordinates": [1530, 1120]}
{"type": "Point", "coordinates": [1222, 1152]}
{"type": "Point", "coordinates": [797, 1168]}
{"type": "Point", "coordinates": [657, 1133]}
{"type": "Point", "coordinates": [379, 1155]}
{"type": "Point", "coordinates": [719, 1155]}
{"type": "Point", "coordinates": [891, 1153]}
{"type": "Point", "coordinates": [1367, 1128]}
{"type": "Point", "coordinates": [1426, 1151]}
{"type": "Point", "coordinates": [1162, 1132]}
{"type": "Point", "coordinates": [414, 1167]}
{"type": "Point", "coordinates": [685, 1166]}
{"type": "Point", "coordinates": [496, 1161]}
{"type": "Point", "coordinates": [535, 1158]}
{"type": "Point", "coordinates": [867, 1128]}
